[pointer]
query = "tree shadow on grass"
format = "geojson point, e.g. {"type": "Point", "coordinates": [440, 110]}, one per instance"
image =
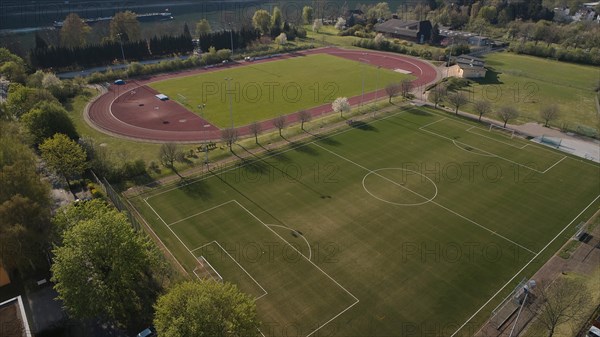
{"type": "Point", "coordinates": [304, 148]}
{"type": "Point", "coordinates": [360, 125]}
{"type": "Point", "coordinates": [326, 140]}
{"type": "Point", "coordinates": [196, 189]}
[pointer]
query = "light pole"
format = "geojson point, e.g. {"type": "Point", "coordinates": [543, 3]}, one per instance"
{"type": "Point", "coordinates": [120, 35]}
{"type": "Point", "coordinates": [362, 96]}
{"type": "Point", "coordinates": [202, 107]}
{"type": "Point", "coordinates": [228, 79]}
{"type": "Point", "coordinates": [231, 37]}
{"type": "Point", "coordinates": [376, 89]}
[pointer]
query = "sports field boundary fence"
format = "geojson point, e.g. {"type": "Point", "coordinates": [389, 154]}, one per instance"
{"type": "Point", "coordinates": [116, 200]}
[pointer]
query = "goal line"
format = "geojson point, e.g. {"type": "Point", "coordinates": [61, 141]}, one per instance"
{"type": "Point", "coordinates": [205, 271]}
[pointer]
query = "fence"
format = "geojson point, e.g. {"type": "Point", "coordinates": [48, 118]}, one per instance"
{"type": "Point", "coordinates": [115, 198]}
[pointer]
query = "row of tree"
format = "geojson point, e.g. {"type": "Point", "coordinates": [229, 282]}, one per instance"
{"type": "Point", "coordinates": [109, 52]}
{"type": "Point", "coordinates": [223, 39]}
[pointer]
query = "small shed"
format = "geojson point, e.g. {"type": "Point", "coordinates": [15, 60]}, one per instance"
{"type": "Point", "coordinates": [162, 97]}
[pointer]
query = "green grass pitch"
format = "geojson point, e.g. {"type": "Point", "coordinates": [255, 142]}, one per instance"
{"type": "Point", "coordinates": [408, 224]}
{"type": "Point", "coordinates": [530, 83]}
{"type": "Point", "coordinates": [265, 90]}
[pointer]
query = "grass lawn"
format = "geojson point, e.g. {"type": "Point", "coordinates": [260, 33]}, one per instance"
{"type": "Point", "coordinates": [530, 83]}
{"type": "Point", "coordinates": [328, 35]}
{"type": "Point", "coordinates": [406, 225]}
{"type": "Point", "coordinates": [265, 90]}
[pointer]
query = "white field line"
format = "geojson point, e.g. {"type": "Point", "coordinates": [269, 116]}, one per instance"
{"type": "Point", "coordinates": [199, 213]}
{"type": "Point", "coordinates": [532, 144]}
{"type": "Point", "coordinates": [525, 266]}
{"type": "Point", "coordinates": [198, 276]}
{"type": "Point", "coordinates": [479, 154]}
{"type": "Point", "coordinates": [476, 148]}
{"type": "Point", "coordinates": [265, 156]}
{"type": "Point", "coordinates": [156, 236]}
{"type": "Point", "coordinates": [303, 238]}
{"type": "Point", "coordinates": [548, 169]}
{"type": "Point", "coordinates": [244, 269]}
{"type": "Point", "coordinates": [309, 261]}
{"type": "Point", "coordinates": [496, 140]}
{"type": "Point", "coordinates": [211, 267]}
{"type": "Point", "coordinates": [432, 201]}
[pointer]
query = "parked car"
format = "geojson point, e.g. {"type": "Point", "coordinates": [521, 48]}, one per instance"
{"type": "Point", "coordinates": [149, 332]}
{"type": "Point", "coordinates": [593, 332]}
{"type": "Point", "coordinates": [119, 82]}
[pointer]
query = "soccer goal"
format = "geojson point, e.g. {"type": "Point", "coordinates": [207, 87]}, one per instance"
{"type": "Point", "coordinates": [551, 141]}
{"type": "Point", "coordinates": [510, 133]}
{"type": "Point", "coordinates": [205, 271]}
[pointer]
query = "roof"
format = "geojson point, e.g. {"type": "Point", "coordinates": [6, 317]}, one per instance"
{"type": "Point", "coordinates": [399, 27]}
{"type": "Point", "coordinates": [466, 61]}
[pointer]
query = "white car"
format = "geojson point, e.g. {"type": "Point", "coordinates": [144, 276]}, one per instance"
{"type": "Point", "coordinates": [594, 332]}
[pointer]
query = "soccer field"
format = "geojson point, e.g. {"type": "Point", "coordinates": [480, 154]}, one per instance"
{"type": "Point", "coordinates": [261, 91]}
{"type": "Point", "coordinates": [407, 225]}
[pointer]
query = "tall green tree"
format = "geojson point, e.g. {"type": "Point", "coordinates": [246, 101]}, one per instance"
{"type": "Point", "coordinates": [125, 27]}
{"type": "Point", "coordinates": [64, 156]}
{"type": "Point", "coordinates": [307, 15]}
{"type": "Point", "coordinates": [47, 119]}
{"type": "Point", "coordinates": [22, 99]}
{"type": "Point", "coordinates": [261, 20]}
{"type": "Point", "coordinates": [100, 268]}
{"type": "Point", "coordinates": [74, 31]}
{"type": "Point", "coordinates": [203, 27]}
{"type": "Point", "coordinates": [24, 202]}
{"type": "Point", "coordinates": [276, 22]}
{"type": "Point", "coordinates": [206, 308]}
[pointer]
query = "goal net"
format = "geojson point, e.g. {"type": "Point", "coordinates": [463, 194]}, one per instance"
{"type": "Point", "coordinates": [552, 141]}
{"type": "Point", "coordinates": [205, 271]}
{"type": "Point", "coordinates": [510, 133]}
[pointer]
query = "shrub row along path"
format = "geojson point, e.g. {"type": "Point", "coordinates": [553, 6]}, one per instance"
{"type": "Point", "coordinates": [116, 110]}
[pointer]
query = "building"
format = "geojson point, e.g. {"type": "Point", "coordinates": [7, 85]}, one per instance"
{"type": "Point", "coordinates": [470, 67]}
{"type": "Point", "coordinates": [479, 41]}
{"type": "Point", "coordinates": [418, 31]}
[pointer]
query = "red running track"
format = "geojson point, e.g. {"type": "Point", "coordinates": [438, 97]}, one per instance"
{"type": "Point", "coordinates": [133, 111]}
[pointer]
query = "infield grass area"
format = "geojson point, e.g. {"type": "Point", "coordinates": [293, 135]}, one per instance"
{"type": "Point", "coordinates": [530, 83]}
{"type": "Point", "coordinates": [407, 225]}
{"type": "Point", "coordinates": [262, 91]}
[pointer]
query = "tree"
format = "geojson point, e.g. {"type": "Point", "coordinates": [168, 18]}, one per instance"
{"type": "Point", "coordinates": [560, 302]}
{"type": "Point", "coordinates": [47, 119]}
{"type": "Point", "coordinates": [279, 122]}
{"type": "Point", "coordinates": [379, 39]}
{"type": "Point", "coordinates": [125, 27]}
{"type": "Point", "coordinates": [70, 215]}
{"type": "Point", "coordinates": [203, 27]}
{"type": "Point", "coordinates": [40, 43]}
{"type": "Point", "coordinates": [340, 23]}
{"type": "Point", "coordinates": [307, 14]}
{"type": "Point", "coordinates": [482, 107]}
{"type": "Point", "coordinates": [379, 11]}
{"type": "Point", "coordinates": [206, 308]}
{"type": "Point", "coordinates": [64, 156]}
{"type": "Point", "coordinates": [507, 113]}
{"type": "Point", "coordinates": [186, 31]}
{"type": "Point", "coordinates": [405, 87]}
{"type": "Point", "coordinates": [261, 20]}
{"type": "Point", "coordinates": [341, 105]}
{"type": "Point", "coordinates": [281, 39]}
{"type": "Point", "coordinates": [549, 113]}
{"type": "Point", "coordinates": [74, 31]}
{"type": "Point", "coordinates": [392, 90]}
{"type": "Point", "coordinates": [168, 154]}
{"type": "Point", "coordinates": [24, 203]}
{"type": "Point", "coordinates": [304, 117]}
{"type": "Point", "coordinates": [100, 267]}
{"type": "Point", "coordinates": [229, 136]}
{"type": "Point", "coordinates": [276, 20]}
{"type": "Point", "coordinates": [457, 100]}
{"type": "Point", "coordinates": [438, 94]}
{"type": "Point", "coordinates": [317, 25]}
{"type": "Point", "coordinates": [255, 128]}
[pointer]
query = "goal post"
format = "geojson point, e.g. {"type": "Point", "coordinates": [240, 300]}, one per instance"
{"type": "Point", "coordinates": [205, 271]}
{"type": "Point", "coordinates": [510, 133]}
